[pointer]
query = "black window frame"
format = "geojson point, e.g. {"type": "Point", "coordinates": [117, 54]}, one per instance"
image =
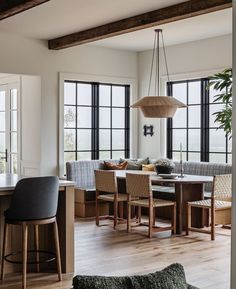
{"type": "Point", "coordinates": [95, 127]}
{"type": "Point", "coordinates": [204, 123]}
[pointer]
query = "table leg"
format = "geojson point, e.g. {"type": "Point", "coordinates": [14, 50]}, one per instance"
{"type": "Point", "coordinates": [179, 207]}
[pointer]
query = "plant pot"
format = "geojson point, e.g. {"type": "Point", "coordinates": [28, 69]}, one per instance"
{"type": "Point", "coordinates": [163, 169]}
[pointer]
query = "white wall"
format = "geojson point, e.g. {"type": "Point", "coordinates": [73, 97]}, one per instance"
{"type": "Point", "coordinates": [26, 56]}
{"type": "Point", "coordinates": [185, 60]}
{"type": "Point", "coordinates": [233, 240]}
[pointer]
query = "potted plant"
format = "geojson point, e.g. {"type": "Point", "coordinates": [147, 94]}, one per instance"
{"type": "Point", "coordinates": [223, 82]}
{"type": "Point", "coordinates": [164, 166]}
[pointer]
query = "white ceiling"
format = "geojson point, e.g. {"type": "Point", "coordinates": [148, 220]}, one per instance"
{"type": "Point", "coordinates": [60, 17]}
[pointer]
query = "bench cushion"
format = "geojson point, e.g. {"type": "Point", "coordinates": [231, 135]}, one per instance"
{"type": "Point", "coordinates": [172, 277]}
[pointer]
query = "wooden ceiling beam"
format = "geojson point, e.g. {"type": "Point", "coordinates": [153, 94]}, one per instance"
{"type": "Point", "coordinates": [153, 18]}
{"type": "Point", "coordinates": [12, 7]}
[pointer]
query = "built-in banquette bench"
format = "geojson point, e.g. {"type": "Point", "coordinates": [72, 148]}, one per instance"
{"type": "Point", "coordinates": [82, 173]}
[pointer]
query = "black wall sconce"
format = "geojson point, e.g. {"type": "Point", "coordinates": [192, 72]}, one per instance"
{"type": "Point", "coordinates": [148, 130]}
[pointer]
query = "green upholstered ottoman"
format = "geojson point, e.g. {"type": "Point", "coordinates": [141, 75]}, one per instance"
{"type": "Point", "coordinates": [172, 277]}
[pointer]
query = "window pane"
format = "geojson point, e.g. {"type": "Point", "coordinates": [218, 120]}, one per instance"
{"type": "Point", "coordinates": [2, 163]}
{"type": "Point", "coordinates": [217, 158]}
{"type": "Point", "coordinates": [179, 136]}
{"type": "Point", "coordinates": [214, 108]}
{"type": "Point", "coordinates": [69, 116]}
{"type": "Point", "coordinates": [179, 119]}
{"type": "Point", "coordinates": [104, 117]}
{"type": "Point", "coordinates": [116, 155]}
{"type": "Point", "coordinates": [13, 98]}
{"type": "Point", "coordinates": [180, 92]}
{"type": "Point", "coordinates": [13, 163]}
{"type": "Point", "coordinates": [69, 139]}
{"type": "Point", "coordinates": [14, 120]}
{"type": "Point", "coordinates": [2, 100]}
{"type": "Point", "coordinates": [194, 92]}
{"type": "Point", "coordinates": [118, 117]}
{"type": "Point", "coordinates": [83, 139]}
{"type": "Point", "coordinates": [84, 156]}
{"type": "Point", "coordinates": [176, 156]}
{"type": "Point", "coordinates": [84, 94]}
{"type": "Point", "coordinates": [2, 142]}
{"type": "Point", "coordinates": [194, 140]}
{"type": "Point", "coordinates": [229, 158]}
{"type": "Point", "coordinates": [118, 139]}
{"type": "Point", "coordinates": [104, 155]}
{"type": "Point", "coordinates": [68, 157]}
{"type": "Point", "coordinates": [217, 140]}
{"type": "Point", "coordinates": [194, 157]}
{"type": "Point", "coordinates": [69, 93]}
{"type": "Point", "coordinates": [213, 93]}
{"type": "Point", "coordinates": [118, 96]}
{"type": "Point", "coordinates": [104, 95]}
{"type": "Point", "coordinates": [14, 142]}
{"type": "Point", "coordinates": [84, 117]}
{"type": "Point", "coordinates": [2, 121]}
{"type": "Point", "coordinates": [194, 116]}
{"type": "Point", "coordinates": [104, 139]}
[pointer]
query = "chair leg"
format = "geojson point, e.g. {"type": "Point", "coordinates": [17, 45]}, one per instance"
{"type": "Point", "coordinates": [4, 249]}
{"type": "Point", "coordinates": [139, 214]}
{"type": "Point", "coordinates": [24, 253]}
{"type": "Point", "coordinates": [115, 212]}
{"type": "Point", "coordinates": [212, 224]}
{"type": "Point", "coordinates": [154, 217]}
{"type": "Point", "coordinates": [36, 244]}
{"type": "Point", "coordinates": [57, 247]}
{"type": "Point", "coordinates": [97, 210]}
{"type": "Point", "coordinates": [174, 220]}
{"type": "Point", "coordinates": [150, 222]}
{"type": "Point", "coordinates": [128, 217]}
{"type": "Point", "coordinates": [188, 218]}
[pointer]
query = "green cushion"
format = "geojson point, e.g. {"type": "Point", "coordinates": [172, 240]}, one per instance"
{"type": "Point", "coordinates": [172, 277]}
{"type": "Point", "coordinates": [135, 164]}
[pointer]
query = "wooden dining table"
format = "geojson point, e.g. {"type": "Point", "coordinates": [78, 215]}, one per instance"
{"type": "Point", "coordinates": [187, 188]}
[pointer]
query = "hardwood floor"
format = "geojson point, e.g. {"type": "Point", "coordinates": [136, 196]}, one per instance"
{"type": "Point", "coordinates": [107, 252]}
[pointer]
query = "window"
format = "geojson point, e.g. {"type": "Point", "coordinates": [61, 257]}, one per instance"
{"type": "Point", "coordinates": [194, 126]}
{"type": "Point", "coordinates": [96, 120]}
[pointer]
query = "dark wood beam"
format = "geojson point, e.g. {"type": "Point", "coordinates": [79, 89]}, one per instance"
{"type": "Point", "coordinates": [153, 18]}
{"type": "Point", "coordinates": [9, 8]}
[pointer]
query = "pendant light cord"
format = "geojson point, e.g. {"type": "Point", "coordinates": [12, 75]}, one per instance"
{"type": "Point", "coordinates": [153, 56]}
{"type": "Point", "coordinates": [164, 50]}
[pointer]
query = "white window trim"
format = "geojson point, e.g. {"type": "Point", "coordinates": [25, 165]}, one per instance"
{"type": "Point", "coordinates": [104, 79]}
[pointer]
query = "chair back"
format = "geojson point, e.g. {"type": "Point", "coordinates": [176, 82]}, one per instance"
{"type": "Point", "coordinates": [222, 187]}
{"type": "Point", "coordinates": [34, 199]}
{"type": "Point", "coordinates": [138, 185]}
{"type": "Point", "coordinates": [105, 181]}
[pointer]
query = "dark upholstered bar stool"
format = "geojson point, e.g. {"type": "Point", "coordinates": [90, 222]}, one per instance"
{"type": "Point", "coordinates": [34, 202]}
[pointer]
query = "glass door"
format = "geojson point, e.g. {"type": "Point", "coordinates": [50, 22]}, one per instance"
{"type": "Point", "coordinates": [8, 128]}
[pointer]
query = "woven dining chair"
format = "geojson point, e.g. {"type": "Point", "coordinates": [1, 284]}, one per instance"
{"type": "Point", "coordinates": [140, 195]}
{"type": "Point", "coordinates": [219, 205]}
{"type": "Point", "coordinates": [107, 191]}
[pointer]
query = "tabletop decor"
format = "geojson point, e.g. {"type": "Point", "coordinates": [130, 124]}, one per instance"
{"type": "Point", "coordinates": [164, 166]}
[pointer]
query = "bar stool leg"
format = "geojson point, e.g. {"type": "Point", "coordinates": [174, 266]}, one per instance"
{"type": "Point", "coordinates": [24, 253]}
{"type": "Point", "coordinates": [4, 249]}
{"type": "Point", "coordinates": [57, 247]}
{"type": "Point", "coordinates": [36, 243]}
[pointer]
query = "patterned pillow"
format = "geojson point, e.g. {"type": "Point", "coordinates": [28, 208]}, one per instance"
{"type": "Point", "coordinates": [149, 167]}
{"type": "Point", "coordinates": [172, 277]}
{"type": "Point", "coordinates": [135, 164]}
{"type": "Point", "coordinates": [113, 166]}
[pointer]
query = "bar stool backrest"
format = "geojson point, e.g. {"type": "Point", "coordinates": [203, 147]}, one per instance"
{"type": "Point", "coordinates": [34, 199]}
{"type": "Point", "coordinates": [222, 187]}
{"type": "Point", "coordinates": [138, 185]}
{"type": "Point", "coordinates": [105, 181]}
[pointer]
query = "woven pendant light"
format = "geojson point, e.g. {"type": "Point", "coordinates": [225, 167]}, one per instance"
{"type": "Point", "coordinates": [158, 106]}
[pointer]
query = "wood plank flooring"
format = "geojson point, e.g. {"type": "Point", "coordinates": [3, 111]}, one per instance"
{"type": "Point", "coordinates": [107, 252]}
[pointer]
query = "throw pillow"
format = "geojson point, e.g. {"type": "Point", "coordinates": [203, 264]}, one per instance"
{"type": "Point", "coordinates": [172, 277]}
{"type": "Point", "coordinates": [113, 166]}
{"type": "Point", "coordinates": [149, 167]}
{"type": "Point", "coordinates": [135, 164]}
